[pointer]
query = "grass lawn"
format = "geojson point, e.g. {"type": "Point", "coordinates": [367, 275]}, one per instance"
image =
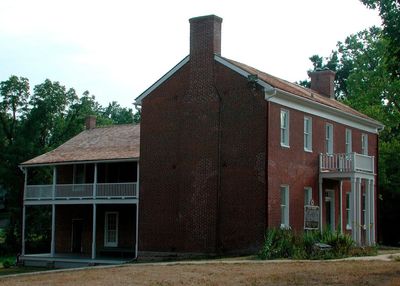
{"type": "Point", "coordinates": [214, 273]}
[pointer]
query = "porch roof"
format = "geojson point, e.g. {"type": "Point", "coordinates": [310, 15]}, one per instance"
{"type": "Point", "coordinates": [116, 142]}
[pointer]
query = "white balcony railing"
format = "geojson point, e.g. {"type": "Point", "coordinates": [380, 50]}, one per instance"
{"type": "Point", "coordinates": [352, 162]}
{"type": "Point", "coordinates": [81, 191]}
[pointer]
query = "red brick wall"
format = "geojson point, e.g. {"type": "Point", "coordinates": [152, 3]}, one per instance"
{"type": "Point", "coordinates": [297, 168]}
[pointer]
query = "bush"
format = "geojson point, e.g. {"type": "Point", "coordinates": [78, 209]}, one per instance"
{"type": "Point", "coordinates": [283, 243]}
{"type": "Point", "coordinates": [7, 264]}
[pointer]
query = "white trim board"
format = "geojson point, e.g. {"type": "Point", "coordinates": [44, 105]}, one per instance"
{"type": "Point", "coordinates": [139, 99]}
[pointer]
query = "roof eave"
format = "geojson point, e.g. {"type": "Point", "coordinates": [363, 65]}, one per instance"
{"type": "Point", "coordinates": [45, 164]}
{"type": "Point", "coordinates": [138, 100]}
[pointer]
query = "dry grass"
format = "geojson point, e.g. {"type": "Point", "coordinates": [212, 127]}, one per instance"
{"type": "Point", "coordinates": [277, 273]}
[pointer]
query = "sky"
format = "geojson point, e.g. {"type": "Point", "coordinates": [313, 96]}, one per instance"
{"type": "Point", "coordinates": [117, 49]}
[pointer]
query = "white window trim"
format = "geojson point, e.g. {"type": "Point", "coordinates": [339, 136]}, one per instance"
{"type": "Point", "coordinates": [348, 141]}
{"type": "Point", "coordinates": [308, 193]}
{"type": "Point", "coordinates": [364, 144]}
{"type": "Point", "coordinates": [287, 138]}
{"type": "Point", "coordinates": [308, 148]}
{"type": "Point", "coordinates": [106, 242]}
{"type": "Point", "coordinates": [285, 224]}
{"type": "Point", "coordinates": [329, 140]}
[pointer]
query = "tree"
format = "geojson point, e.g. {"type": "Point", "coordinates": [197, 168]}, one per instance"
{"type": "Point", "coordinates": [389, 11]}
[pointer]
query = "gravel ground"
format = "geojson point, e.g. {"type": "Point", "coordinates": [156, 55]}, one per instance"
{"type": "Point", "coordinates": [349, 272]}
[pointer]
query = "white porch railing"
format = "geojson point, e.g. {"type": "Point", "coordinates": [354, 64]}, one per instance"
{"type": "Point", "coordinates": [352, 162]}
{"type": "Point", "coordinates": [81, 191]}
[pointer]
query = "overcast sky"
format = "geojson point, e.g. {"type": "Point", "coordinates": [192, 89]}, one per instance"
{"type": "Point", "coordinates": [116, 49]}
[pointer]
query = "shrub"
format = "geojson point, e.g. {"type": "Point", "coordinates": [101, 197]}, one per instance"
{"type": "Point", "coordinates": [283, 243]}
{"type": "Point", "coordinates": [7, 264]}
{"type": "Point", "coordinates": [279, 243]}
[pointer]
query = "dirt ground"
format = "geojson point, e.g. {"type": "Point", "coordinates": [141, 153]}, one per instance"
{"type": "Point", "coordinates": [216, 273]}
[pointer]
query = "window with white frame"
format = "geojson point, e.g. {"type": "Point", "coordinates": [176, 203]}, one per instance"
{"type": "Point", "coordinates": [364, 144]}
{"type": "Point", "coordinates": [307, 196]}
{"type": "Point", "coordinates": [284, 206]}
{"type": "Point", "coordinates": [329, 138]}
{"type": "Point", "coordinates": [348, 141]}
{"type": "Point", "coordinates": [307, 133]}
{"type": "Point", "coordinates": [284, 128]}
{"type": "Point", "coordinates": [111, 229]}
{"type": "Point", "coordinates": [348, 218]}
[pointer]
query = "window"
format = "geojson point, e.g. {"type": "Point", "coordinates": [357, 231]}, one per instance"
{"type": "Point", "coordinates": [348, 141]}
{"type": "Point", "coordinates": [111, 229]}
{"type": "Point", "coordinates": [307, 196]}
{"type": "Point", "coordinates": [348, 218]}
{"type": "Point", "coordinates": [307, 133]}
{"type": "Point", "coordinates": [284, 128]}
{"type": "Point", "coordinates": [284, 207]}
{"type": "Point", "coordinates": [329, 138]}
{"type": "Point", "coordinates": [364, 144]}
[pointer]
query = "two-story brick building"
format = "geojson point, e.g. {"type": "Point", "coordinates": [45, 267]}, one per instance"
{"type": "Point", "coordinates": [227, 151]}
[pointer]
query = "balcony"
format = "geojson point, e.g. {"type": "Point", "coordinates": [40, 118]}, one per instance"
{"type": "Point", "coordinates": [81, 191]}
{"type": "Point", "coordinates": [346, 163]}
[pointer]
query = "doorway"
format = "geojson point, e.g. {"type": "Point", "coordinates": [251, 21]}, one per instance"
{"type": "Point", "coordinates": [77, 227]}
{"type": "Point", "coordinates": [330, 209]}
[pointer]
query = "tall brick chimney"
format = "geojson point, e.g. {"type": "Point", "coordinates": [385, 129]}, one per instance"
{"type": "Point", "coordinates": [322, 81]}
{"type": "Point", "coordinates": [205, 35]}
{"type": "Point", "coordinates": [90, 122]}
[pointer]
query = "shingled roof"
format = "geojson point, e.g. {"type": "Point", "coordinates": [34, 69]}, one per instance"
{"type": "Point", "coordinates": [298, 90]}
{"type": "Point", "coordinates": [99, 144]}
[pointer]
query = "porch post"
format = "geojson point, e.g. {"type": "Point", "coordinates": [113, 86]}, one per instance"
{"type": "Point", "coordinates": [372, 212]}
{"type": "Point", "coordinates": [320, 204]}
{"type": "Point", "coordinates": [24, 213]}
{"type": "Point", "coordinates": [353, 211]}
{"type": "Point", "coordinates": [358, 211]}
{"type": "Point", "coordinates": [367, 218]}
{"type": "Point", "coordinates": [137, 209]}
{"type": "Point", "coordinates": [341, 205]}
{"type": "Point", "coordinates": [53, 214]}
{"type": "Point", "coordinates": [94, 213]}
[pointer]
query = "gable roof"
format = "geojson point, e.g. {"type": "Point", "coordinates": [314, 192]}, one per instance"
{"type": "Point", "coordinates": [296, 89]}
{"type": "Point", "coordinates": [117, 142]}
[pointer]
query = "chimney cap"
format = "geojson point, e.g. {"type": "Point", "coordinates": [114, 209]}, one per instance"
{"type": "Point", "coordinates": [206, 17]}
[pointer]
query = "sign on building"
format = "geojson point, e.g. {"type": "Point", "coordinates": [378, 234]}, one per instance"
{"type": "Point", "coordinates": [311, 216]}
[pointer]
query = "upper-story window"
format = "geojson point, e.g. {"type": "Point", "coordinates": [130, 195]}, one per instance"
{"type": "Point", "coordinates": [348, 141]}
{"type": "Point", "coordinates": [307, 133]}
{"type": "Point", "coordinates": [329, 138]}
{"type": "Point", "coordinates": [284, 128]}
{"type": "Point", "coordinates": [364, 144]}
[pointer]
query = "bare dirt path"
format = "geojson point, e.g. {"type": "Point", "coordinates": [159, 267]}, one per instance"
{"type": "Point", "coordinates": [357, 272]}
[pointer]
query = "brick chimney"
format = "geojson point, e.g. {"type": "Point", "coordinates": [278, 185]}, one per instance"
{"type": "Point", "coordinates": [90, 122]}
{"type": "Point", "coordinates": [322, 81]}
{"type": "Point", "coordinates": [205, 35]}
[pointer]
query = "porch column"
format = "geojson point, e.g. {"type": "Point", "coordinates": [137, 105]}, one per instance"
{"type": "Point", "coordinates": [353, 210]}
{"type": "Point", "coordinates": [341, 205]}
{"type": "Point", "coordinates": [53, 214]}
{"type": "Point", "coordinates": [321, 203]}
{"type": "Point", "coordinates": [356, 229]}
{"type": "Point", "coordinates": [24, 213]}
{"type": "Point", "coordinates": [367, 217]}
{"type": "Point", "coordinates": [94, 213]}
{"type": "Point", "coordinates": [137, 209]}
{"type": "Point", "coordinates": [372, 210]}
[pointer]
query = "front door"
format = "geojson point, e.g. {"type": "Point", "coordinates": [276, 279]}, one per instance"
{"type": "Point", "coordinates": [330, 209]}
{"type": "Point", "coordinates": [77, 235]}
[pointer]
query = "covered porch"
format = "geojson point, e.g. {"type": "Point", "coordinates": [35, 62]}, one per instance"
{"type": "Point", "coordinates": [93, 209]}
{"type": "Point", "coordinates": [355, 174]}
